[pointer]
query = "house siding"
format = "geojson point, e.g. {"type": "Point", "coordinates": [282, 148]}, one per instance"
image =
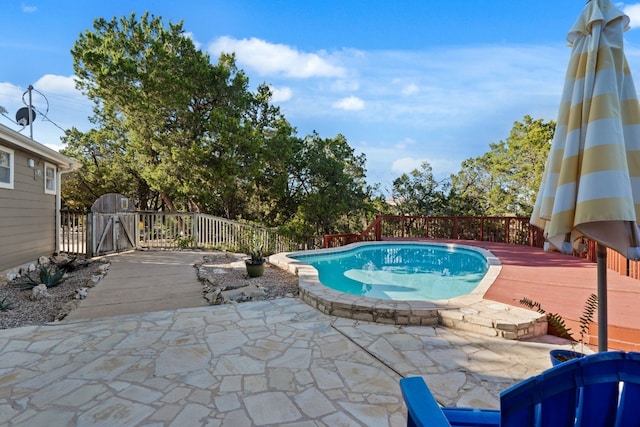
{"type": "Point", "coordinates": [27, 215]}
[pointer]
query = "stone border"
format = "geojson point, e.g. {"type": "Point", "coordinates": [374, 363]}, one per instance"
{"type": "Point", "coordinates": [468, 312]}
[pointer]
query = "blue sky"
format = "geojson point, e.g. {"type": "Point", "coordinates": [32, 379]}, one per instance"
{"type": "Point", "coordinates": [405, 81]}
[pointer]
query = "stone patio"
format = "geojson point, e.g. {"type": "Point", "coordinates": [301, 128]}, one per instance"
{"type": "Point", "coordinates": [277, 362]}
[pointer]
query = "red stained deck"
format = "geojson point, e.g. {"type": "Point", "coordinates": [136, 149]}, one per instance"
{"type": "Point", "coordinates": [562, 284]}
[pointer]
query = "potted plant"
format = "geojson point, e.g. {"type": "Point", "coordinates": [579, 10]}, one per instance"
{"type": "Point", "coordinates": [256, 261]}
{"type": "Point", "coordinates": [558, 324]}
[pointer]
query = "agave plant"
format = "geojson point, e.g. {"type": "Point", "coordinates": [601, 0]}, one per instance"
{"type": "Point", "coordinates": [5, 305]}
{"type": "Point", "coordinates": [47, 277]}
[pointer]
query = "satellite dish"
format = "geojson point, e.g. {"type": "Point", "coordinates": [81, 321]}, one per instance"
{"type": "Point", "coordinates": [22, 116]}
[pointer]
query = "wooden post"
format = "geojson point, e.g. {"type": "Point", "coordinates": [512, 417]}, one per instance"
{"type": "Point", "coordinates": [455, 228]}
{"type": "Point", "coordinates": [506, 231]}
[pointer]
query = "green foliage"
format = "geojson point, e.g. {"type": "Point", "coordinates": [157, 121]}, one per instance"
{"type": "Point", "coordinates": [505, 180]}
{"type": "Point", "coordinates": [328, 180]}
{"type": "Point", "coordinates": [256, 254]}
{"type": "Point", "coordinates": [173, 129]}
{"type": "Point", "coordinates": [588, 313]}
{"type": "Point", "coordinates": [254, 246]}
{"type": "Point", "coordinates": [5, 305]}
{"type": "Point", "coordinates": [49, 276]}
{"type": "Point", "coordinates": [185, 242]}
{"type": "Point", "coordinates": [559, 323]}
{"type": "Point", "coordinates": [554, 319]}
{"type": "Point", "coordinates": [418, 193]}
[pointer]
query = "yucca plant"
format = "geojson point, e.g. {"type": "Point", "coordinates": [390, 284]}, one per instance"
{"type": "Point", "coordinates": [559, 324]}
{"type": "Point", "coordinates": [47, 277]}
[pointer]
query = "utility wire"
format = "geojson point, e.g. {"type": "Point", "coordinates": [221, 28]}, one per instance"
{"type": "Point", "coordinates": [44, 115]}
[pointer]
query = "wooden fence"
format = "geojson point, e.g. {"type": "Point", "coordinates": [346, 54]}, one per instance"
{"type": "Point", "coordinates": [163, 230]}
{"type": "Point", "coordinates": [194, 230]}
{"type": "Point", "coordinates": [72, 236]}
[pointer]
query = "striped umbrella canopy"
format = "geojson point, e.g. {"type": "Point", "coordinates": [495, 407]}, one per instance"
{"type": "Point", "coordinates": [591, 183]}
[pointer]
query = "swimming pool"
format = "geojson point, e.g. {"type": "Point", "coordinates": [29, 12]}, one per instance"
{"type": "Point", "coordinates": [470, 312]}
{"type": "Point", "coordinates": [400, 271]}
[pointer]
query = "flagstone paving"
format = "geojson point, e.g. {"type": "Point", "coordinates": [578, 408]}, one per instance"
{"type": "Point", "coordinates": [277, 362]}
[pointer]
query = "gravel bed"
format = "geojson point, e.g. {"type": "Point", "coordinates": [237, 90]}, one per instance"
{"type": "Point", "coordinates": [25, 311]}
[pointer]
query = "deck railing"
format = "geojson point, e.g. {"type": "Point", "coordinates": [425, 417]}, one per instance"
{"type": "Point", "coordinates": [513, 230]}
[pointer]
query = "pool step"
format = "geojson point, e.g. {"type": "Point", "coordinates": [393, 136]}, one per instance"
{"type": "Point", "coordinates": [494, 320]}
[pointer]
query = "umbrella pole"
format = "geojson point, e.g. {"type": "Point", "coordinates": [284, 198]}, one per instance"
{"type": "Point", "coordinates": [601, 255]}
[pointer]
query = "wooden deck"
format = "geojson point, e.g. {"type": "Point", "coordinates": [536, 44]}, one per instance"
{"type": "Point", "coordinates": [562, 284]}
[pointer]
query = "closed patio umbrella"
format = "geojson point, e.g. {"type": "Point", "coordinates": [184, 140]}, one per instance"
{"type": "Point", "coordinates": [591, 182]}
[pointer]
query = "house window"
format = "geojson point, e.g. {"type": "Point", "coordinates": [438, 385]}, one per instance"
{"type": "Point", "coordinates": [49, 179]}
{"type": "Point", "coordinates": [6, 168]}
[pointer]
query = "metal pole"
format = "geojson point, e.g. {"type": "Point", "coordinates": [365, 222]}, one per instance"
{"type": "Point", "coordinates": [603, 338]}
{"type": "Point", "coordinates": [30, 88]}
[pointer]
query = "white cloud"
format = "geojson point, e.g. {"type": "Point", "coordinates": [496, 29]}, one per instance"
{"type": "Point", "coordinates": [8, 90]}
{"type": "Point", "coordinates": [57, 84]}
{"type": "Point", "coordinates": [405, 165]}
{"type": "Point", "coordinates": [351, 103]}
{"type": "Point", "coordinates": [468, 97]}
{"type": "Point", "coordinates": [405, 143]}
{"type": "Point", "coordinates": [441, 168]}
{"type": "Point", "coordinates": [28, 9]}
{"type": "Point", "coordinates": [281, 94]}
{"type": "Point", "coordinates": [633, 11]}
{"type": "Point", "coordinates": [11, 99]}
{"type": "Point", "coordinates": [276, 59]}
{"type": "Point", "coordinates": [410, 89]}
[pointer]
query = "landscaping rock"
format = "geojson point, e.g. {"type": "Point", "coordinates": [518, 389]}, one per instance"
{"type": "Point", "coordinates": [81, 293]}
{"type": "Point", "coordinates": [39, 292]}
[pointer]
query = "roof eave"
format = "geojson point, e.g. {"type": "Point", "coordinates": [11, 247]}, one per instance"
{"type": "Point", "coordinates": [29, 145]}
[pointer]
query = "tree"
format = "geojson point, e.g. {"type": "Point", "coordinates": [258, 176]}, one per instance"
{"type": "Point", "coordinates": [105, 169]}
{"type": "Point", "coordinates": [329, 182]}
{"type": "Point", "coordinates": [505, 180]}
{"type": "Point", "coordinates": [418, 193]}
{"type": "Point", "coordinates": [273, 199]}
{"type": "Point", "coordinates": [181, 118]}
{"type": "Point", "coordinates": [175, 132]}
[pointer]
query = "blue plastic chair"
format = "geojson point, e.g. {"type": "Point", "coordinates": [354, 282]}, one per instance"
{"type": "Point", "coordinates": [602, 389]}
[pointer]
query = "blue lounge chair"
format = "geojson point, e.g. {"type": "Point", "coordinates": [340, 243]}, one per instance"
{"type": "Point", "coordinates": [602, 389]}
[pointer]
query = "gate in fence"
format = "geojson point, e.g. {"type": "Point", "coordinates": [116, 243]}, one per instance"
{"type": "Point", "coordinates": [113, 224]}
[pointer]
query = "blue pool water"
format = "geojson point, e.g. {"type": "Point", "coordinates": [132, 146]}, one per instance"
{"type": "Point", "coordinates": [400, 271]}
